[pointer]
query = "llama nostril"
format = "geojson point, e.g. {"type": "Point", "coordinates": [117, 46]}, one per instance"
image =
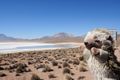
{"type": "Point", "coordinates": [86, 43]}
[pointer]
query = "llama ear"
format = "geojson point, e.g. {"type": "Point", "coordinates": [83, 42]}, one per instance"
{"type": "Point", "coordinates": [110, 38]}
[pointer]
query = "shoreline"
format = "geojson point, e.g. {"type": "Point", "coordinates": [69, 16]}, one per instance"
{"type": "Point", "coordinates": [10, 45]}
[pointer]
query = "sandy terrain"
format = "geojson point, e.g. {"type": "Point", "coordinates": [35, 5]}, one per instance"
{"type": "Point", "coordinates": [56, 64]}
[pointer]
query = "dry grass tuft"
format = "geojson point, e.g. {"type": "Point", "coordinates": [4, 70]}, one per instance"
{"type": "Point", "coordinates": [51, 76]}
{"type": "Point", "coordinates": [54, 63]}
{"type": "Point", "coordinates": [82, 68]}
{"type": "Point", "coordinates": [2, 74]}
{"type": "Point", "coordinates": [68, 77]}
{"type": "Point", "coordinates": [81, 77]}
{"type": "Point", "coordinates": [35, 77]}
{"type": "Point", "coordinates": [66, 70]}
{"type": "Point", "coordinates": [65, 64]}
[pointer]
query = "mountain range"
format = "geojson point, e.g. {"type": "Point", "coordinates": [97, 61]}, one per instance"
{"type": "Point", "coordinates": [59, 37]}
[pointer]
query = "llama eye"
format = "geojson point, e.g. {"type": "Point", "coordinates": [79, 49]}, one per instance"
{"type": "Point", "coordinates": [98, 41]}
{"type": "Point", "coordinates": [110, 38]}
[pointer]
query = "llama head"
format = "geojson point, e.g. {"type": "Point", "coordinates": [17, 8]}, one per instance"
{"type": "Point", "coordinates": [98, 38]}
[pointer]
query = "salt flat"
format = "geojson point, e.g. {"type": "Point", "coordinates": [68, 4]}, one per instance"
{"type": "Point", "coordinates": [9, 47]}
{"type": "Point", "coordinates": [6, 45]}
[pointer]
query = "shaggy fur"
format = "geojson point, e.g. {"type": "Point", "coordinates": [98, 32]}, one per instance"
{"type": "Point", "coordinates": [99, 54]}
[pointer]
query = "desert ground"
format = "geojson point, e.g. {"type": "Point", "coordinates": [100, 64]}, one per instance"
{"type": "Point", "coordinates": [52, 64]}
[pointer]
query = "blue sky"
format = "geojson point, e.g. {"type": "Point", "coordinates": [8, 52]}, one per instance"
{"type": "Point", "coordinates": [37, 18]}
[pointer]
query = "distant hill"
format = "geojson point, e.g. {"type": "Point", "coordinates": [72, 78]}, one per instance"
{"type": "Point", "coordinates": [59, 37]}
{"type": "Point", "coordinates": [3, 37]}
{"type": "Point", "coordinates": [62, 35]}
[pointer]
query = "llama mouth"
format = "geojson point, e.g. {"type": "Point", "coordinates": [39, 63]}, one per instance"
{"type": "Point", "coordinates": [89, 47]}
{"type": "Point", "coordinates": [95, 51]}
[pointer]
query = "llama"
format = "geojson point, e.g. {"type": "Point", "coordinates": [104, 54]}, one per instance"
{"type": "Point", "coordinates": [99, 55]}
